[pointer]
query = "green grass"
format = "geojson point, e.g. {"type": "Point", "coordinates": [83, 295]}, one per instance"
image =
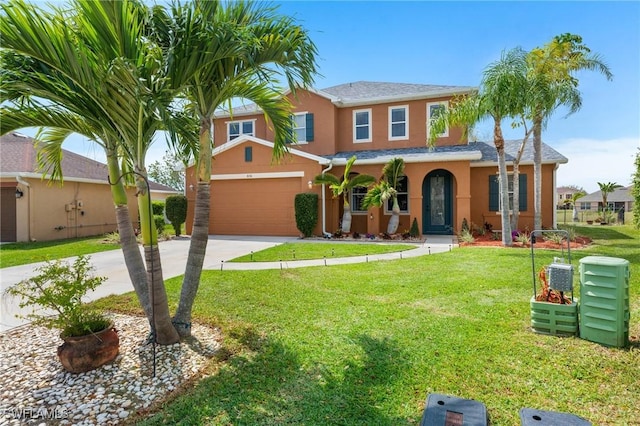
{"type": "Point", "coordinates": [365, 344]}
{"type": "Point", "coordinates": [308, 250]}
{"type": "Point", "coordinates": [15, 254]}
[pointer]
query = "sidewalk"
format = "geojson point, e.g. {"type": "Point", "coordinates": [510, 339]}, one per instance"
{"type": "Point", "coordinates": [173, 254]}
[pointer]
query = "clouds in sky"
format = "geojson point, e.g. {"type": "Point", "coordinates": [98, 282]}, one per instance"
{"type": "Point", "coordinates": [596, 160]}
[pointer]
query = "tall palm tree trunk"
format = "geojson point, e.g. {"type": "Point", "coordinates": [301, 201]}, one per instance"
{"type": "Point", "coordinates": [199, 234]}
{"type": "Point", "coordinates": [346, 218]}
{"type": "Point", "coordinates": [394, 221]}
{"type": "Point", "coordinates": [504, 184]}
{"type": "Point", "coordinates": [537, 172]}
{"type": "Point", "coordinates": [165, 333]}
{"type": "Point", "coordinates": [195, 260]}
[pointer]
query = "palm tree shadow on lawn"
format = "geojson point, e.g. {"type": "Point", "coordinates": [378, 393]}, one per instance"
{"type": "Point", "coordinates": [267, 384]}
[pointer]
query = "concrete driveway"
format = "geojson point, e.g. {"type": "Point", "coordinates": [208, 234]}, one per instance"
{"type": "Point", "coordinates": [173, 255]}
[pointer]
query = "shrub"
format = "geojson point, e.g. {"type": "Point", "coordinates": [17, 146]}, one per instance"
{"type": "Point", "coordinates": [465, 225]}
{"type": "Point", "coordinates": [157, 207]}
{"type": "Point", "coordinates": [466, 236]}
{"type": "Point", "coordinates": [306, 209]}
{"type": "Point", "coordinates": [176, 208]}
{"type": "Point", "coordinates": [59, 287]}
{"type": "Point", "coordinates": [414, 231]}
{"type": "Point", "coordinates": [159, 220]}
{"type": "Point", "coordinates": [524, 238]}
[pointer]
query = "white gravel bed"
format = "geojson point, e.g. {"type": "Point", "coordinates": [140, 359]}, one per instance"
{"type": "Point", "coordinates": [36, 390]}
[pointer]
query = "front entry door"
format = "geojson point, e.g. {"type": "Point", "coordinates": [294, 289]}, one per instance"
{"type": "Point", "coordinates": [437, 203]}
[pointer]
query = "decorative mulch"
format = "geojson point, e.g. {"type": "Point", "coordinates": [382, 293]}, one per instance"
{"type": "Point", "coordinates": [488, 240]}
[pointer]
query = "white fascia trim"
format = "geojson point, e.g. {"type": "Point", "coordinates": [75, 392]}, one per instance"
{"type": "Point", "coordinates": [405, 98]}
{"type": "Point", "coordinates": [40, 176]}
{"type": "Point", "coordinates": [522, 163]}
{"type": "Point", "coordinates": [265, 175]}
{"type": "Point", "coordinates": [416, 158]}
{"type": "Point", "coordinates": [246, 138]}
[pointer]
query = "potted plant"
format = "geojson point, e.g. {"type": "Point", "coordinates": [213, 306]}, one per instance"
{"type": "Point", "coordinates": [90, 339]}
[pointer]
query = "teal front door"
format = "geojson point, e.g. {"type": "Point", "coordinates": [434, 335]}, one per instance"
{"type": "Point", "coordinates": [437, 203]}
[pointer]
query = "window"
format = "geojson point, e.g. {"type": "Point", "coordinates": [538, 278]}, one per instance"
{"type": "Point", "coordinates": [357, 195]}
{"type": "Point", "coordinates": [236, 129]}
{"type": "Point", "coordinates": [403, 196]}
{"type": "Point", "coordinates": [362, 125]}
{"type": "Point", "coordinates": [302, 127]}
{"type": "Point", "coordinates": [494, 192]}
{"type": "Point", "coordinates": [433, 109]}
{"type": "Point", "coordinates": [585, 206]}
{"type": "Point", "coordinates": [398, 122]}
{"type": "Point", "coordinates": [248, 154]}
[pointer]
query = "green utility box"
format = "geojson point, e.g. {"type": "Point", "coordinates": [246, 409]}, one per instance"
{"type": "Point", "coordinates": [553, 318]}
{"type": "Point", "coordinates": [604, 300]}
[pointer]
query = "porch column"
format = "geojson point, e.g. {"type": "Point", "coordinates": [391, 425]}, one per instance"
{"type": "Point", "coordinates": [463, 210]}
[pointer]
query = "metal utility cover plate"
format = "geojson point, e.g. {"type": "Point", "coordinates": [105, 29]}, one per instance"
{"type": "Point", "coordinates": [444, 410]}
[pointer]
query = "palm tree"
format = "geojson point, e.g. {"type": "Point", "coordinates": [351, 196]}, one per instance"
{"type": "Point", "coordinates": [344, 187]}
{"type": "Point", "coordinates": [218, 52]}
{"type": "Point", "coordinates": [90, 70]}
{"type": "Point", "coordinates": [573, 201]}
{"type": "Point", "coordinates": [606, 189]}
{"type": "Point", "coordinates": [552, 83]}
{"type": "Point", "coordinates": [386, 189]}
{"type": "Point", "coordinates": [500, 97]}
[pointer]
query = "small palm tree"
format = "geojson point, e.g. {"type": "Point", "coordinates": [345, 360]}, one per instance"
{"type": "Point", "coordinates": [573, 201]}
{"type": "Point", "coordinates": [605, 190]}
{"type": "Point", "coordinates": [344, 187]}
{"type": "Point", "coordinates": [387, 189]}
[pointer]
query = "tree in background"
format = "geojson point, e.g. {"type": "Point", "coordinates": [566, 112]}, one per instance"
{"type": "Point", "coordinates": [607, 188]}
{"type": "Point", "coordinates": [635, 192]}
{"type": "Point", "coordinates": [169, 171]}
{"type": "Point", "coordinates": [344, 187]}
{"type": "Point", "coordinates": [573, 201]}
{"type": "Point", "coordinates": [552, 83]}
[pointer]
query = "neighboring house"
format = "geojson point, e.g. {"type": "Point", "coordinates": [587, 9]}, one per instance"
{"type": "Point", "coordinates": [33, 209]}
{"type": "Point", "coordinates": [621, 198]}
{"type": "Point", "coordinates": [564, 193]}
{"type": "Point", "coordinates": [453, 181]}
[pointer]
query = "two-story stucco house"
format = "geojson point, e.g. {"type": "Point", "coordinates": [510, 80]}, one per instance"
{"type": "Point", "coordinates": [445, 184]}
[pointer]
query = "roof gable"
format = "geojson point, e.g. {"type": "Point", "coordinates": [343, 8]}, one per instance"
{"type": "Point", "coordinates": [246, 138]}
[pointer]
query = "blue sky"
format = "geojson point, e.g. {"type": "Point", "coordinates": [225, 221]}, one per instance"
{"type": "Point", "coordinates": [451, 43]}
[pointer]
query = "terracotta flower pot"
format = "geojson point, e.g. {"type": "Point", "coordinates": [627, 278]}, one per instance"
{"type": "Point", "coordinates": [84, 353]}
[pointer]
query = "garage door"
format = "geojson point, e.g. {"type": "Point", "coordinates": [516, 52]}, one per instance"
{"type": "Point", "coordinates": [8, 215]}
{"type": "Point", "coordinates": [254, 207]}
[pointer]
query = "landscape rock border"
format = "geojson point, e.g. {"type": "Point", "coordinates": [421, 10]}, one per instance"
{"type": "Point", "coordinates": [35, 389]}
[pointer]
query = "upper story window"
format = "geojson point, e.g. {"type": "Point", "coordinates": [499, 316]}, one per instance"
{"type": "Point", "coordinates": [398, 122]}
{"type": "Point", "coordinates": [302, 127]}
{"type": "Point", "coordinates": [403, 196]}
{"type": "Point", "coordinates": [235, 129]}
{"type": "Point", "coordinates": [362, 125]}
{"type": "Point", "coordinates": [433, 109]}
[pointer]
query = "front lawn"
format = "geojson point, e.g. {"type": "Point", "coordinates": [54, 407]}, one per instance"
{"type": "Point", "coordinates": [366, 343]}
{"type": "Point", "coordinates": [309, 250]}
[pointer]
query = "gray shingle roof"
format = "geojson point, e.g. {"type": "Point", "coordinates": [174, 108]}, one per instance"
{"type": "Point", "coordinates": [362, 90]}
{"type": "Point", "coordinates": [18, 154]}
{"type": "Point", "coordinates": [619, 195]}
{"type": "Point", "coordinates": [488, 150]}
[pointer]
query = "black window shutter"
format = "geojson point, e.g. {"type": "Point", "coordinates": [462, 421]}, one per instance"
{"type": "Point", "coordinates": [494, 193]}
{"type": "Point", "coordinates": [248, 154]}
{"type": "Point", "coordinates": [309, 125]}
{"type": "Point", "coordinates": [523, 192]}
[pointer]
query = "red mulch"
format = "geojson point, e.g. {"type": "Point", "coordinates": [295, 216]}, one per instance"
{"type": "Point", "coordinates": [488, 241]}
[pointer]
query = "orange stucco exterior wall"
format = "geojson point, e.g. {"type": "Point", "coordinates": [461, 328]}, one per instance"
{"type": "Point", "coordinates": [262, 203]}
{"type": "Point", "coordinates": [480, 213]}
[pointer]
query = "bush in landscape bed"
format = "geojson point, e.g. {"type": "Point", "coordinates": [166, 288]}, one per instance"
{"type": "Point", "coordinates": [176, 208]}
{"type": "Point", "coordinates": [157, 207]}
{"type": "Point", "coordinates": [306, 207]}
